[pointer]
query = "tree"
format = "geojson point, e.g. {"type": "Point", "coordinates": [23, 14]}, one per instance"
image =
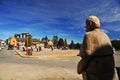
{"type": "Point", "coordinates": [60, 43]}
{"type": "Point", "coordinates": [46, 39]}
{"type": "Point", "coordinates": [116, 44]}
{"type": "Point", "coordinates": [46, 42]}
{"type": "Point", "coordinates": [29, 41]}
{"type": "Point", "coordinates": [77, 46]}
{"type": "Point", "coordinates": [72, 45]}
{"type": "Point", "coordinates": [55, 41]}
{"type": "Point", "coordinates": [43, 39]}
{"type": "Point", "coordinates": [65, 43]}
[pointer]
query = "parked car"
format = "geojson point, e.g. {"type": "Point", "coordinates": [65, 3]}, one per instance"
{"type": "Point", "coordinates": [10, 47]}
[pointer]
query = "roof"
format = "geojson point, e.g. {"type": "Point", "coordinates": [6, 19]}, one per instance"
{"type": "Point", "coordinates": [1, 40]}
{"type": "Point", "coordinates": [24, 39]}
{"type": "Point", "coordinates": [23, 34]}
{"type": "Point", "coordinates": [35, 40]}
{"type": "Point", "coordinates": [21, 39]}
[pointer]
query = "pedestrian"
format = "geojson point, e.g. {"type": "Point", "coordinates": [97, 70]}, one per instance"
{"type": "Point", "coordinates": [51, 47]}
{"type": "Point", "coordinates": [97, 61]}
{"type": "Point", "coordinates": [37, 47]}
{"type": "Point", "coordinates": [30, 50]}
{"type": "Point", "coordinates": [50, 43]}
{"type": "Point", "coordinates": [18, 46]}
{"type": "Point", "coordinates": [40, 47]}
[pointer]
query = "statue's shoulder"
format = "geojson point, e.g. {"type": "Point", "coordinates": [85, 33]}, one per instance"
{"type": "Point", "coordinates": [89, 33]}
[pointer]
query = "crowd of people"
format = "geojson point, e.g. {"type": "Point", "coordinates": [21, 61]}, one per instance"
{"type": "Point", "coordinates": [37, 47]}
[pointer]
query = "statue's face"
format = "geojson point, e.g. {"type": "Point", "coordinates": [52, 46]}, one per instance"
{"type": "Point", "coordinates": [88, 26]}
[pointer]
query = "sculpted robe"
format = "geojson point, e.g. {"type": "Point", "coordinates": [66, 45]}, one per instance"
{"type": "Point", "coordinates": [98, 52]}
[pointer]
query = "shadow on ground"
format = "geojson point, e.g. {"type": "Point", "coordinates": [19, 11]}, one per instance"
{"type": "Point", "coordinates": [118, 71]}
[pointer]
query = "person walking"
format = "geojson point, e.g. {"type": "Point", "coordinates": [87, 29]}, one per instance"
{"type": "Point", "coordinates": [37, 47]}
{"type": "Point", "coordinates": [97, 61]}
{"type": "Point", "coordinates": [40, 47]}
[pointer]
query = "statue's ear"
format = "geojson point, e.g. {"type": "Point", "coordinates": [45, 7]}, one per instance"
{"type": "Point", "coordinates": [90, 23]}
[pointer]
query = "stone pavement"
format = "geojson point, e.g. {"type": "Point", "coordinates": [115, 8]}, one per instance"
{"type": "Point", "coordinates": [58, 53]}
{"type": "Point", "coordinates": [48, 53]}
{"type": "Point", "coordinates": [13, 67]}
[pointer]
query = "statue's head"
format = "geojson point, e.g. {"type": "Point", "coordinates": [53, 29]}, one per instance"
{"type": "Point", "coordinates": [92, 23]}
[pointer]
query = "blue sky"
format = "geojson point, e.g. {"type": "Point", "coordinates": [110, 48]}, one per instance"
{"type": "Point", "coordinates": [64, 18]}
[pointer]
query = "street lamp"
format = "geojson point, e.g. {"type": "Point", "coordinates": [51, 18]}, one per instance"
{"type": "Point", "coordinates": [26, 44]}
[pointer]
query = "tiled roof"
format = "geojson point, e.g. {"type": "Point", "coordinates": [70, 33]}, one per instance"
{"type": "Point", "coordinates": [21, 39]}
{"type": "Point", "coordinates": [24, 39]}
{"type": "Point", "coordinates": [1, 40]}
{"type": "Point", "coordinates": [35, 40]}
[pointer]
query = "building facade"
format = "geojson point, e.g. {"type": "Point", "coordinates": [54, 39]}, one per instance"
{"type": "Point", "coordinates": [21, 39]}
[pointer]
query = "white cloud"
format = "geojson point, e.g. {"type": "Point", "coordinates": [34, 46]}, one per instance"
{"type": "Point", "coordinates": [117, 29]}
{"type": "Point", "coordinates": [105, 31]}
{"type": "Point", "coordinates": [99, 8]}
{"type": "Point", "coordinates": [64, 34]}
{"type": "Point", "coordinates": [112, 14]}
{"type": "Point", "coordinates": [6, 34]}
{"type": "Point", "coordinates": [105, 11]}
{"type": "Point", "coordinates": [26, 29]}
{"type": "Point", "coordinates": [112, 18]}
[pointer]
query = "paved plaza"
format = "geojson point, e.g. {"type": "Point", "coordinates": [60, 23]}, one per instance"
{"type": "Point", "coordinates": [22, 67]}
{"type": "Point", "coordinates": [48, 53]}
